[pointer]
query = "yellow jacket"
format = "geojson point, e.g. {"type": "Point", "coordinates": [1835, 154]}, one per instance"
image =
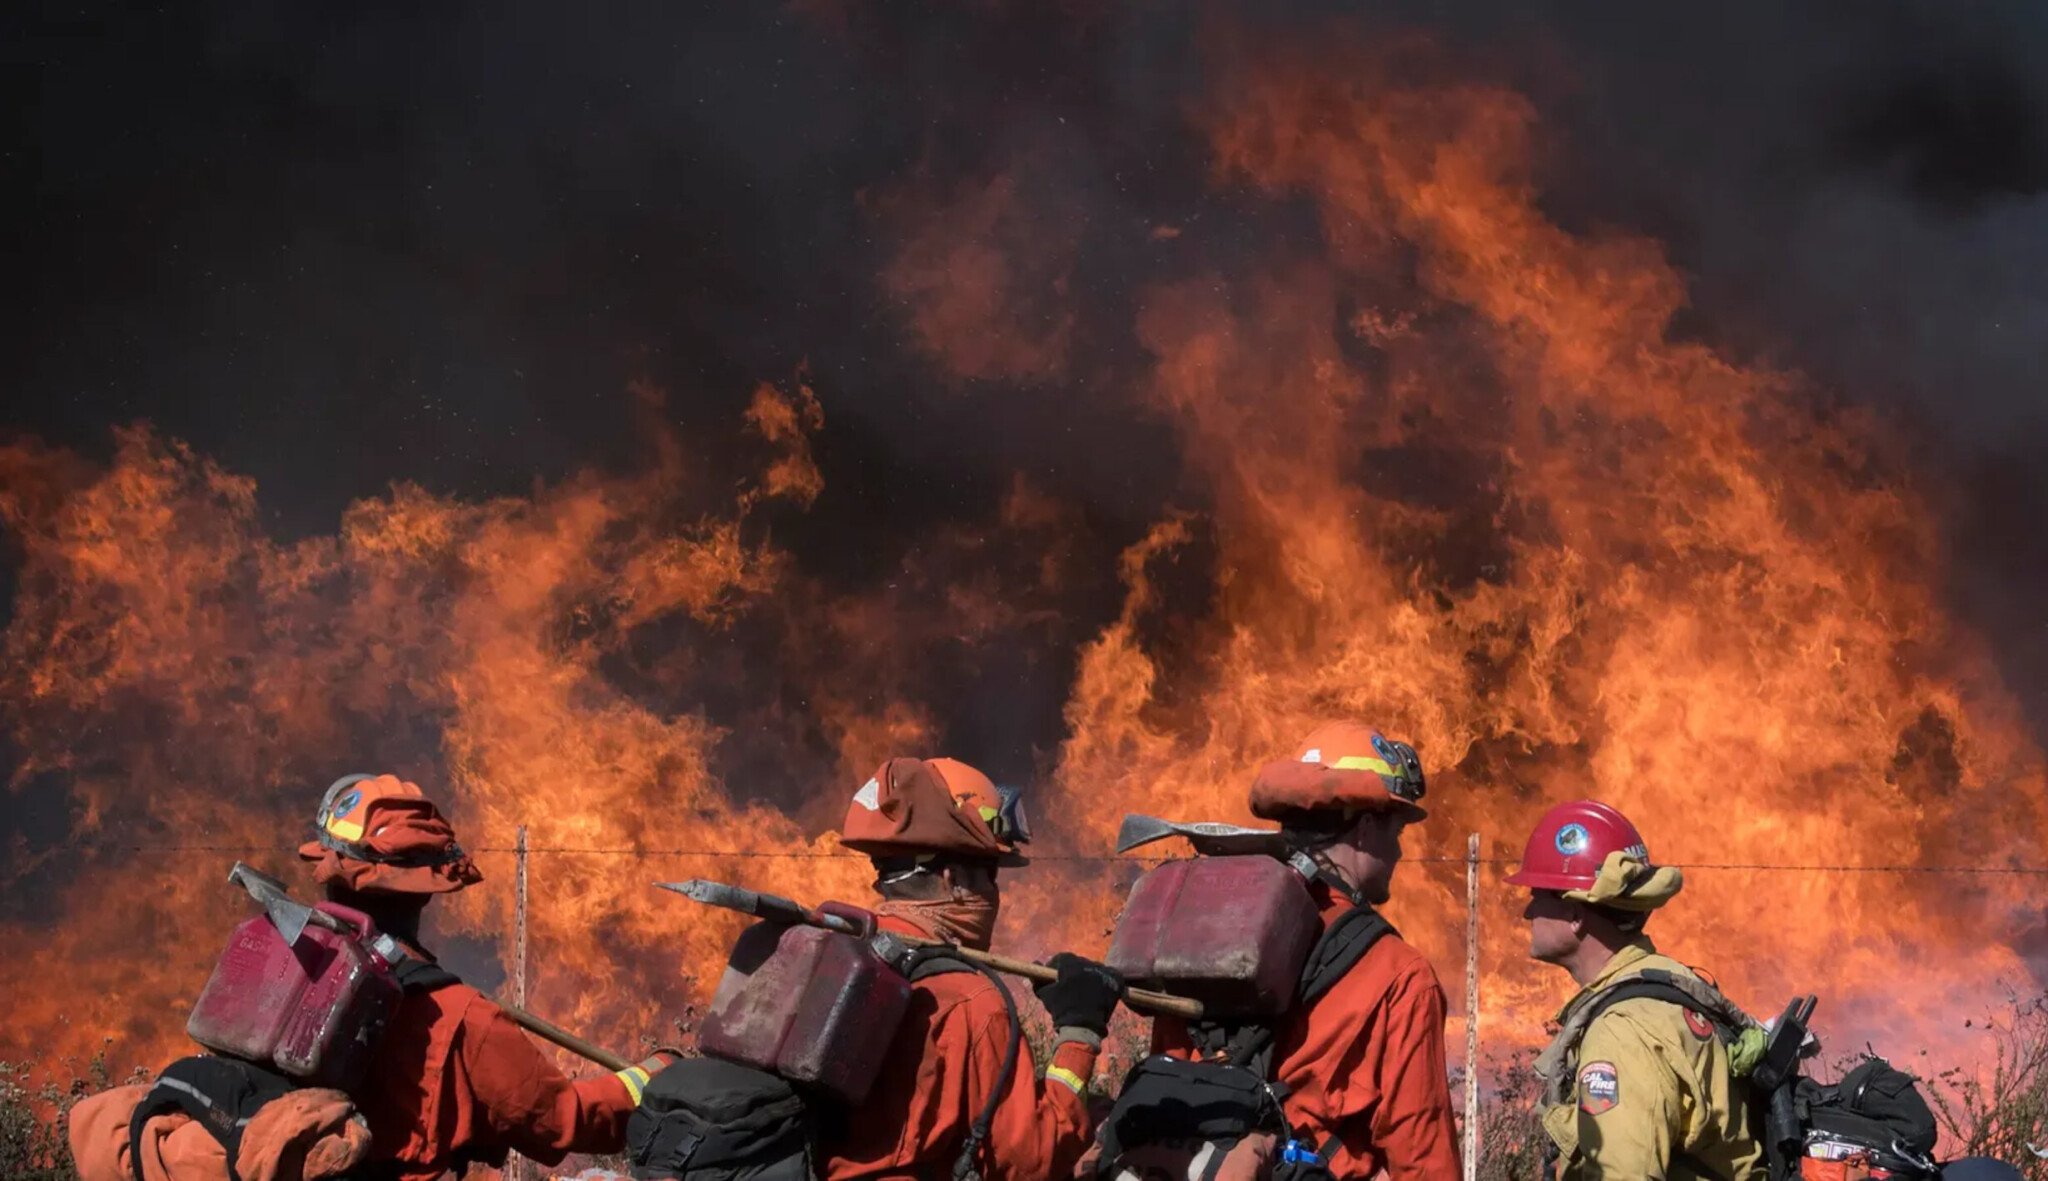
{"type": "Point", "coordinates": [1649, 1094]}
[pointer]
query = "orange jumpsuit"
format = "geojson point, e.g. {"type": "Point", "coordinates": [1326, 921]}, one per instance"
{"type": "Point", "coordinates": [939, 1072]}
{"type": "Point", "coordinates": [454, 1077]}
{"type": "Point", "coordinates": [1365, 1063]}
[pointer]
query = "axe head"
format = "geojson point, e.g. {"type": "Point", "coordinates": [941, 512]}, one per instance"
{"type": "Point", "coordinates": [772, 907]}
{"type": "Point", "coordinates": [287, 914]}
{"type": "Point", "coordinates": [1208, 837]}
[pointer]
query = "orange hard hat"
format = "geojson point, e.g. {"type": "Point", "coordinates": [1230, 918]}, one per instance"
{"type": "Point", "coordinates": [380, 834]}
{"type": "Point", "coordinates": [935, 806]}
{"type": "Point", "coordinates": [1341, 767]}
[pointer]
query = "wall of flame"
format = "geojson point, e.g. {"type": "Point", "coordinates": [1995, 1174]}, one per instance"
{"type": "Point", "coordinates": [1447, 467]}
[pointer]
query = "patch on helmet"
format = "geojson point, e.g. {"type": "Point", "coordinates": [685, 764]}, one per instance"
{"type": "Point", "coordinates": [1599, 1088]}
{"type": "Point", "coordinates": [1572, 839]}
{"type": "Point", "coordinates": [870, 795]}
{"type": "Point", "coordinates": [1700, 1026]}
{"type": "Point", "coordinates": [1313, 754]}
{"type": "Point", "coordinates": [347, 803]}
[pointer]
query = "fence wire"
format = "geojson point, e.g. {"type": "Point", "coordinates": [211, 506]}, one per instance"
{"type": "Point", "coordinates": [1059, 858]}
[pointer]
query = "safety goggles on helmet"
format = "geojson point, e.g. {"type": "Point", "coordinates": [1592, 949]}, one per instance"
{"type": "Point", "coordinates": [1406, 781]}
{"type": "Point", "coordinates": [1008, 820]}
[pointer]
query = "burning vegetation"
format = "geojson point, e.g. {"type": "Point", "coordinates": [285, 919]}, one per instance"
{"type": "Point", "coordinates": [1438, 461]}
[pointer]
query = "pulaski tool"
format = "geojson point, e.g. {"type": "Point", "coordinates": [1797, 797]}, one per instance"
{"type": "Point", "coordinates": [774, 909]}
{"type": "Point", "coordinates": [1209, 838]}
{"type": "Point", "coordinates": [291, 918]}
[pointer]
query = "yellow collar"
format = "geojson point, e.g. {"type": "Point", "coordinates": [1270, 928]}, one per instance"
{"type": "Point", "coordinates": [1638, 950]}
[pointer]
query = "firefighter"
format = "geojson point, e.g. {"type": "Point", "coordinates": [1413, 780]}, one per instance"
{"type": "Point", "coordinates": [1366, 1090]}
{"type": "Point", "coordinates": [453, 1081]}
{"type": "Point", "coordinates": [938, 832]}
{"type": "Point", "coordinates": [1642, 1086]}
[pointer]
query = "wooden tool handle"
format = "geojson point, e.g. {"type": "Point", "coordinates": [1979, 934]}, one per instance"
{"type": "Point", "coordinates": [1144, 1000]}
{"type": "Point", "coordinates": [549, 1031]}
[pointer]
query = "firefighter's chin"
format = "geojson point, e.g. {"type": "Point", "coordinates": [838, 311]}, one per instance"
{"type": "Point", "coordinates": [1551, 941]}
{"type": "Point", "coordinates": [1371, 875]}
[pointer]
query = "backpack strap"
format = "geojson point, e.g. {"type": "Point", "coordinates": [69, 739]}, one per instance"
{"type": "Point", "coordinates": [1298, 1163]}
{"type": "Point", "coordinates": [416, 975]}
{"type": "Point", "coordinates": [220, 1094]}
{"type": "Point", "coordinates": [1559, 1062]}
{"type": "Point", "coordinates": [926, 962]}
{"type": "Point", "coordinates": [1658, 986]}
{"type": "Point", "coordinates": [1339, 949]}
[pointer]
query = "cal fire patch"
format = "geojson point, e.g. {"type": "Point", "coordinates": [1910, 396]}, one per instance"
{"type": "Point", "coordinates": [1599, 1088]}
{"type": "Point", "coordinates": [1700, 1026]}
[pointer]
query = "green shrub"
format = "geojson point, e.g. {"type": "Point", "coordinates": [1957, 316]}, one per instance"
{"type": "Point", "coordinates": [35, 1111]}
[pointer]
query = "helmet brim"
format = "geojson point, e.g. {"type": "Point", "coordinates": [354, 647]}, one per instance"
{"type": "Point", "coordinates": [1535, 880]}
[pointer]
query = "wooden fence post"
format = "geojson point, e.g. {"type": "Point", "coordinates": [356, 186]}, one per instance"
{"type": "Point", "coordinates": [1472, 1008]}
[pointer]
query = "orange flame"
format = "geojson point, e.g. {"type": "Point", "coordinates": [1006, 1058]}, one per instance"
{"type": "Point", "coordinates": [1457, 476]}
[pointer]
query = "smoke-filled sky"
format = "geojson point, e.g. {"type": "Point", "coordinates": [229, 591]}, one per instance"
{"type": "Point", "coordinates": [338, 247]}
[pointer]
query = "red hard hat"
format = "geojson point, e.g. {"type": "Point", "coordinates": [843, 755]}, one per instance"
{"type": "Point", "coordinates": [1570, 844]}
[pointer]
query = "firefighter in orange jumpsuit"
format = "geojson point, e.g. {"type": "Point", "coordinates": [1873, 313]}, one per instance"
{"type": "Point", "coordinates": [937, 831]}
{"type": "Point", "coordinates": [453, 1081]}
{"type": "Point", "coordinates": [1363, 1065]}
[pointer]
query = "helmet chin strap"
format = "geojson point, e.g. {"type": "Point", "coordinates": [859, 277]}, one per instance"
{"type": "Point", "coordinates": [1315, 865]}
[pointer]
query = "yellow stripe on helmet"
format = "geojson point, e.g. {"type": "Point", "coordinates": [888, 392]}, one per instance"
{"type": "Point", "coordinates": [344, 829]}
{"type": "Point", "coordinates": [1364, 763]}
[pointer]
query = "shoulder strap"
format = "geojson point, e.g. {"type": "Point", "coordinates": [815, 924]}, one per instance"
{"type": "Point", "coordinates": [1559, 1061]}
{"type": "Point", "coordinates": [1657, 986]}
{"type": "Point", "coordinates": [1340, 948]}
{"type": "Point", "coordinates": [977, 1133]}
{"type": "Point", "coordinates": [940, 960]}
{"type": "Point", "coordinates": [418, 975]}
{"type": "Point", "coordinates": [926, 962]}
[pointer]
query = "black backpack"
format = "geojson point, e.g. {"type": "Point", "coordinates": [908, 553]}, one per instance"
{"type": "Point", "coordinates": [1876, 1109]}
{"type": "Point", "coordinates": [706, 1119]}
{"type": "Point", "coordinates": [1217, 1103]}
{"type": "Point", "coordinates": [223, 1094]}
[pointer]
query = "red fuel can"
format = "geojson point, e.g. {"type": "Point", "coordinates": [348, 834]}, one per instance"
{"type": "Point", "coordinates": [807, 1004]}
{"type": "Point", "coordinates": [313, 1009]}
{"type": "Point", "coordinates": [1231, 932]}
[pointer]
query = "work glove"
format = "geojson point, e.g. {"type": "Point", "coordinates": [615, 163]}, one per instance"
{"type": "Point", "coordinates": [1083, 996]}
{"type": "Point", "coordinates": [636, 1076]}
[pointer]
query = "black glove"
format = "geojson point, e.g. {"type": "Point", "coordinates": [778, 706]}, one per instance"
{"type": "Point", "coordinates": [1085, 994]}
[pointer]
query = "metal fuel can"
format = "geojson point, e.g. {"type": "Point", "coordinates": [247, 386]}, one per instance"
{"type": "Point", "coordinates": [1232, 932]}
{"type": "Point", "coordinates": [810, 1005]}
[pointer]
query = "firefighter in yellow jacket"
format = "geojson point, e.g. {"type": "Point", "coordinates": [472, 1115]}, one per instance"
{"type": "Point", "coordinates": [1642, 1080]}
